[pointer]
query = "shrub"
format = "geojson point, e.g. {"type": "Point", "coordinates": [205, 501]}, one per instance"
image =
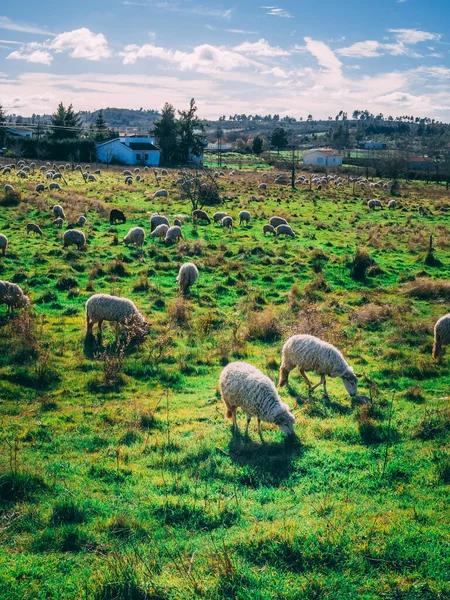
{"type": "Point", "coordinates": [371, 315]}
{"type": "Point", "coordinates": [360, 264]}
{"type": "Point", "coordinates": [435, 423]}
{"type": "Point", "coordinates": [66, 283]}
{"type": "Point", "coordinates": [263, 326]}
{"type": "Point", "coordinates": [179, 312]}
{"type": "Point", "coordinates": [429, 289]}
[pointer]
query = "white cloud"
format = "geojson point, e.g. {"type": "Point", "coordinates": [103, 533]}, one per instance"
{"type": "Point", "coordinates": [31, 56]}
{"type": "Point", "coordinates": [367, 49]}
{"type": "Point", "coordinates": [7, 23]}
{"type": "Point", "coordinates": [201, 11]}
{"type": "Point", "coordinates": [325, 56]}
{"type": "Point", "coordinates": [82, 43]}
{"type": "Point", "coordinates": [400, 47]}
{"type": "Point", "coordinates": [242, 31]}
{"type": "Point", "coordinates": [275, 11]}
{"type": "Point", "coordinates": [414, 36]}
{"type": "Point", "coordinates": [261, 48]}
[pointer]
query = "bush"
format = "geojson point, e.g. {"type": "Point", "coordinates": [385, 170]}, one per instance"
{"type": "Point", "coordinates": [429, 289]}
{"type": "Point", "coordinates": [435, 423]}
{"type": "Point", "coordinates": [360, 264]}
{"type": "Point", "coordinates": [66, 283]}
{"type": "Point", "coordinates": [263, 326]}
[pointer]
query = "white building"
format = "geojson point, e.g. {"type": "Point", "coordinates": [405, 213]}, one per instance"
{"type": "Point", "coordinates": [20, 132]}
{"type": "Point", "coordinates": [323, 158]}
{"type": "Point", "coordinates": [128, 150]}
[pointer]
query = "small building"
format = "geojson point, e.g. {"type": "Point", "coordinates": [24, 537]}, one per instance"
{"type": "Point", "coordinates": [323, 158]}
{"type": "Point", "coordinates": [369, 145]}
{"type": "Point", "coordinates": [214, 147]}
{"type": "Point", "coordinates": [421, 163]}
{"type": "Point", "coordinates": [20, 132]}
{"type": "Point", "coordinates": [129, 150]}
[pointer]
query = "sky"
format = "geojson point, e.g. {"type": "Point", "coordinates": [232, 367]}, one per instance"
{"type": "Point", "coordinates": [291, 57]}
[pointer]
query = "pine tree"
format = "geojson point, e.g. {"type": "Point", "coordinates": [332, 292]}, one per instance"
{"type": "Point", "coordinates": [73, 120]}
{"type": "Point", "coordinates": [2, 124]}
{"type": "Point", "coordinates": [59, 120]}
{"type": "Point", "coordinates": [279, 138]}
{"type": "Point", "coordinates": [166, 134]}
{"type": "Point", "coordinates": [100, 123]}
{"type": "Point", "coordinates": [257, 145]}
{"type": "Point", "coordinates": [190, 142]}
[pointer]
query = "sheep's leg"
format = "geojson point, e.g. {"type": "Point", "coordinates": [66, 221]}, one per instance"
{"type": "Point", "coordinates": [259, 428]}
{"type": "Point", "coordinates": [235, 425]}
{"type": "Point", "coordinates": [305, 377]}
{"type": "Point", "coordinates": [325, 393]}
{"type": "Point", "coordinates": [100, 323]}
{"type": "Point", "coordinates": [249, 418]}
{"type": "Point", "coordinates": [321, 382]}
{"type": "Point", "coordinates": [89, 325]}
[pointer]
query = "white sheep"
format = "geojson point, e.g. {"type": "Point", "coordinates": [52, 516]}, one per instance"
{"type": "Point", "coordinates": [244, 386]}
{"type": "Point", "coordinates": [187, 276]}
{"type": "Point", "coordinates": [92, 178]}
{"type": "Point", "coordinates": [284, 230]}
{"type": "Point", "coordinates": [81, 220]}
{"type": "Point", "coordinates": [135, 236]}
{"type": "Point", "coordinates": [218, 216]}
{"type": "Point", "coordinates": [373, 204]}
{"type": "Point", "coordinates": [164, 172]}
{"type": "Point", "coordinates": [244, 217]}
{"type": "Point", "coordinates": [262, 186]}
{"type": "Point", "coordinates": [127, 172]}
{"type": "Point", "coordinates": [57, 176]}
{"type": "Point", "coordinates": [161, 194]}
{"type": "Point", "coordinates": [55, 186]}
{"type": "Point", "coordinates": [59, 222]}
{"type": "Point", "coordinates": [200, 215]}
{"type": "Point", "coordinates": [12, 295]}
{"type": "Point", "coordinates": [9, 189]}
{"type": "Point", "coordinates": [178, 222]}
{"type": "Point", "coordinates": [269, 229]}
{"type": "Point", "coordinates": [157, 219]}
{"type": "Point", "coordinates": [40, 187]}
{"type": "Point", "coordinates": [103, 307]}
{"type": "Point", "coordinates": [58, 211]}
{"type": "Point", "coordinates": [310, 353]}
{"type": "Point", "coordinates": [275, 221]}
{"type": "Point", "coordinates": [392, 204]}
{"type": "Point", "coordinates": [441, 336]}
{"type": "Point", "coordinates": [74, 237]}
{"type": "Point", "coordinates": [160, 231]}
{"type": "Point", "coordinates": [32, 227]}
{"type": "Point", "coordinates": [173, 234]}
{"type": "Point", "coordinates": [128, 180]}
{"type": "Point", "coordinates": [227, 222]}
{"type": "Point", "coordinates": [3, 243]}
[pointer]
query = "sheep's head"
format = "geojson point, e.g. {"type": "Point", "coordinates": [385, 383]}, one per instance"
{"type": "Point", "coordinates": [286, 420]}
{"type": "Point", "coordinates": [350, 380]}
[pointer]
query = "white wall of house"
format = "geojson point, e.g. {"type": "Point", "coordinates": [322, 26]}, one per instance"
{"type": "Point", "coordinates": [320, 159]}
{"type": "Point", "coordinates": [117, 150]}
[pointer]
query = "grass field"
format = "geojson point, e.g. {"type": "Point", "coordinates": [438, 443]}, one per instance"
{"type": "Point", "coordinates": [120, 478]}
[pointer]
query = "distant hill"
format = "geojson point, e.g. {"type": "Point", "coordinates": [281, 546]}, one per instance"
{"type": "Point", "coordinates": [123, 117]}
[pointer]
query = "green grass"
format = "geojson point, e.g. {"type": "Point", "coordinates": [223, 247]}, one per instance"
{"type": "Point", "coordinates": [120, 477]}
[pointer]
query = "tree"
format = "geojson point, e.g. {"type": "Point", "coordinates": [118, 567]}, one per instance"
{"type": "Point", "coordinates": [100, 123]}
{"type": "Point", "coordinates": [257, 145]}
{"type": "Point", "coordinates": [66, 122]}
{"type": "Point", "coordinates": [2, 125]}
{"type": "Point", "coordinates": [190, 142]}
{"type": "Point", "coordinates": [279, 138]}
{"type": "Point", "coordinates": [166, 134]}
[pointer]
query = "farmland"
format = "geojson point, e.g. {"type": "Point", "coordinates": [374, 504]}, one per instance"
{"type": "Point", "coordinates": [120, 476]}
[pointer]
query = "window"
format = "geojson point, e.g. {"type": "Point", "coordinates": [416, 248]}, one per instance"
{"type": "Point", "coordinates": [146, 156]}
{"type": "Point", "coordinates": [319, 160]}
{"type": "Point", "coordinates": [138, 157]}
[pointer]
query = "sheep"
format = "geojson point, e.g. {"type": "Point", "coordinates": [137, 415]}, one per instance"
{"type": "Point", "coordinates": [160, 231]}
{"type": "Point", "coordinates": [161, 194]}
{"type": "Point", "coordinates": [59, 222]}
{"type": "Point", "coordinates": [3, 243]}
{"type": "Point", "coordinates": [218, 216]}
{"type": "Point", "coordinates": [9, 189]}
{"type": "Point", "coordinates": [55, 186]}
{"type": "Point", "coordinates": [92, 178]}
{"type": "Point", "coordinates": [158, 178]}
{"type": "Point", "coordinates": [421, 210]}
{"type": "Point", "coordinates": [34, 228]}
{"type": "Point", "coordinates": [441, 336]}
{"type": "Point", "coordinates": [103, 307]}
{"type": "Point", "coordinates": [164, 172]}
{"type": "Point", "coordinates": [227, 222]}
{"type": "Point", "coordinates": [58, 211]}
{"type": "Point", "coordinates": [373, 204]}
{"type": "Point", "coordinates": [49, 175]}
{"type": "Point", "coordinates": [127, 172]}
{"type": "Point", "coordinates": [244, 386]}
{"type": "Point", "coordinates": [173, 234]}
{"type": "Point", "coordinates": [262, 186]}
{"type": "Point", "coordinates": [136, 170]}
{"type": "Point", "coordinates": [275, 221]}
{"type": "Point", "coordinates": [97, 172]}
{"type": "Point", "coordinates": [187, 276]}
{"type": "Point", "coordinates": [179, 181]}
{"type": "Point", "coordinates": [200, 215]}
{"type": "Point", "coordinates": [42, 169]}
{"type": "Point", "coordinates": [284, 230]}
{"type": "Point", "coordinates": [157, 219]}
{"type": "Point", "coordinates": [392, 204]}
{"type": "Point", "coordinates": [81, 220]}
{"type": "Point", "coordinates": [135, 236]}
{"type": "Point", "coordinates": [39, 188]}
{"type": "Point", "coordinates": [74, 237]}
{"type": "Point", "coordinates": [21, 174]}
{"type": "Point", "coordinates": [244, 217]}
{"type": "Point", "coordinates": [178, 222]}
{"type": "Point", "coordinates": [12, 295]}
{"type": "Point", "coordinates": [57, 176]}
{"type": "Point", "coordinates": [116, 215]}
{"type": "Point", "coordinates": [128, 180]}
{"type": "Point", "coordinates": [78, 168]}
{"type": "Point", "coordinates": [138, 177]}
{"type": "Point", "coordinates": [26, 169]}
{"type": "Point", "coordinates": [268, 229]}
{"type": "Point", "coordinates": [310, 353]}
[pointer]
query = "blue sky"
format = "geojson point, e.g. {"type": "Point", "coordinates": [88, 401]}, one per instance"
{"type": "Point", "coordinates": [288, 57]}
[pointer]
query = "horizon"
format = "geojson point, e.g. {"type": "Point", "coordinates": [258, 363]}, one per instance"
{"type": "Point", "coordinates": [143, 53]}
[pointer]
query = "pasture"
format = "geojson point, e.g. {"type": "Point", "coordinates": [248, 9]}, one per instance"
{"type": "Point", "coordinates": [120, 478]}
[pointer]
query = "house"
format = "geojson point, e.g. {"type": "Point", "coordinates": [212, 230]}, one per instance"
{"type": "Point", "coordinates": [214, 147]}
{"type": "Point", "coordinates": [421, 163]}
{"type": "Point", "coordinates": [369, 145]}
{"type": "Point", "coordinates": [129, 150]}
{"type": "Point", "coordinates": [20, 132]}
{"type": "Point", "coordinates": [323, 158]}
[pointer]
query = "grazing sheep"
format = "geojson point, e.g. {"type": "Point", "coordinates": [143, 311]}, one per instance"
{"type": "Point", "coordinates": [55, 186]}
{"type": "Point", "coordinates": [163, 172]}
{"type": "Point", "coordinates": [392, 204]}
{"type": "Point", "coordinates": [9, 189]}
{"type": "Point", "coordinates": [310, 353]}
{"type": "Point", "coordinates": [218, 216]}
{"type": "Point", "coordinates": [373, 204]}
{"type": "Point", "coordinates": [31, 227]}
{"type": "Point", "coordinates": [49, 175]}
{"type": "Point", "coordinates": [97, 172]}
{"type": "Point", "coordinates": [262, 186]}
{"type": "Point", "coordinates": [269, 229]}
{"type": "Point", "coordinates": [244, 217]}
{"type": "Point", "coordinates": [227, 222]}
{"type": "Point", "coordinates": [103, 307]}
{"type": "Point", "coordinates": [3, 243]}
{"type": "Point", "coordinates": [284, 230]}
{"type": "Point", "coordinates": [6, 170]}
{"type": "Point", "coordinates": [159, 231]}
{"type": "Point", "coordinates": [78, 168]}
{"type": "Point", "coordinates": [81, 220]}
{"type": "Point", "coordinates": [127, 172]}
{"type": "Point", "coordinates": [161, 194]}
{"type": "Point", "coordinates": [74, 237]}
{"type": "Point", "coordinates": [136, 170]}
{"type": "Point", "coordinates": [187, 276]}
{"type": "Point", "coordinates": [40, 187]}
{"type": "Point", "coordinates": [158, 178]}
{"type": "Point", "coordinates": [58, 211]}
{"type": "Point", "coordinates": [42, 169]}
{"type": "Point", "coordinates": [173, 234]}
{"type": "Point", "coordinates": [244, 386]}
{"type": "Point", "coordinates": [135, 236]}
{"type": "Point", "coordinates": [128, 180]}
{"type": "Point", "coordinates": [179, 181]}
{"type": "Point", "coordinates": [138, 177]}
{"type": "Point", "coordinates": [157, 219]}
{"type": "Point", "coordinates": [21, 174]}
{"type": "Point", "coordinates": [177, 222]}
{"type": "Point", "coordinates": [57, 176]}
{"type": "Point", "coordinates": [59, 222]}
{"type": "Point", "coordinates": [200, 215]}
{"type": "Point", "coordinates": [92, 178]}
{"type": "Point", "coordinates": [441, 336]}
{"type": "Point", "coordinates": [12, 295]}
{"type": "Point", "coordinates": [275, 221]}
{"type": "Point", "coordinates": [116, 215]}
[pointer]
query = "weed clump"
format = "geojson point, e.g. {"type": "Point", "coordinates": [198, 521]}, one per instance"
{"type": "Point", "coordinates": [263, 326]}
{"type": "Point", "coordinates": [360, 265]}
